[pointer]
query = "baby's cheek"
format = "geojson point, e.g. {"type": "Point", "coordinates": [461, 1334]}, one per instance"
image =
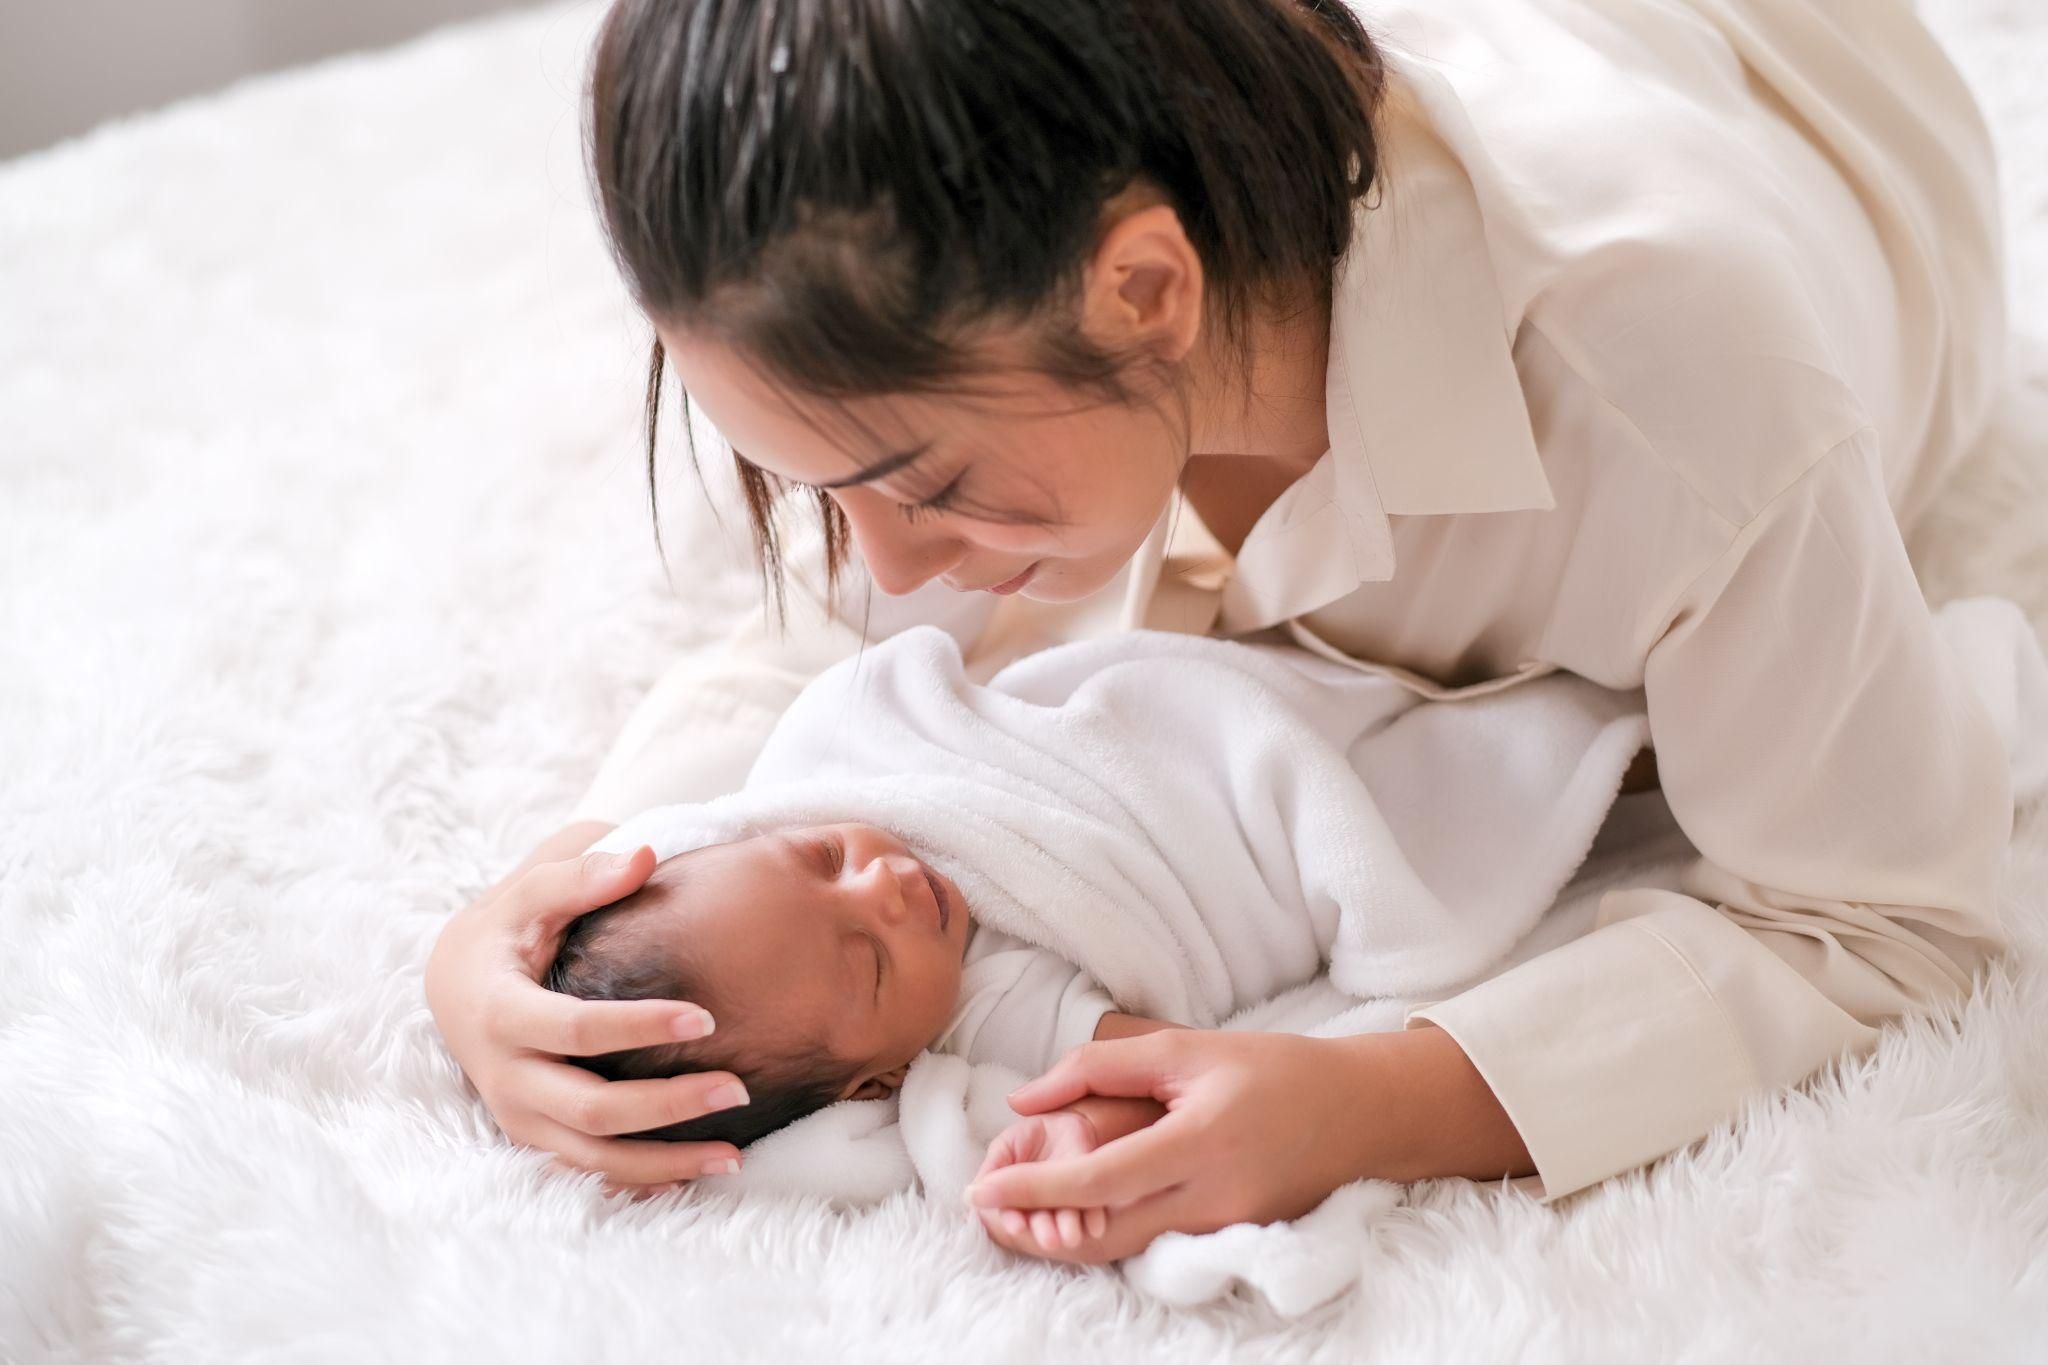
{"type": "Point", "coordinates": [942, 996]}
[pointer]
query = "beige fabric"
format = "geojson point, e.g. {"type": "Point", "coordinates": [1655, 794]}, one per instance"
{"type": "Point", "coordinates": [1666, 314]}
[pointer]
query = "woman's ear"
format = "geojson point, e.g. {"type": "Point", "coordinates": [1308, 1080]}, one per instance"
{"type": "Point", "coordinates": [1143, 287]}
{"type": "Point", "coordinates": [882, 1086]}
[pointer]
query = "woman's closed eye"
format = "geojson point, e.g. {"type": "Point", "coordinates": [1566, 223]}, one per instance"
{"type": "Point", "coordinates": [934, 503]}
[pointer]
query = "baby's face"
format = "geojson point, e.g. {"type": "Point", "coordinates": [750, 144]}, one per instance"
{"type": "Point", "coordinates": [833, 936]}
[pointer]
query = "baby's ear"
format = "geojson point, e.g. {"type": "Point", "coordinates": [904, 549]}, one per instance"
{"type": "Point", "coordinates": [882, 1086]}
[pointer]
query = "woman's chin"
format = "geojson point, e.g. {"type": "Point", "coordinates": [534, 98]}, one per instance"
{"type": "Point", "coordinates": [1056, 584]}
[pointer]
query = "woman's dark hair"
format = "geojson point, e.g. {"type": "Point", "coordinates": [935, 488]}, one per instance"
{"type": "Point", "coordinates": [848, 192]}
{"type": "Point", "coordinates": [607, 955]}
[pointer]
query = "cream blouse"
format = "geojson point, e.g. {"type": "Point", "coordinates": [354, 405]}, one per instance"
{"type": "Point", "coordinates": [1666, 316]}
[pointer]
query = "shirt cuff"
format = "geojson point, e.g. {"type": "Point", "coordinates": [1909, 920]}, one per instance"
{"type": "Point", "coordinates": [1606, 1053]}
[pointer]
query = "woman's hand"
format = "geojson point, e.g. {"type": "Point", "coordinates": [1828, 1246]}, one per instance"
{"type": "Point", "coordinates": [1259, 1127]}
{"type": "Point", "coordinates": [509, 1033]}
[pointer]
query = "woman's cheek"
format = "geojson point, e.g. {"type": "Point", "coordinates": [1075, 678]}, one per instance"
{"type": "Point", "coordinates": [1005, 539]}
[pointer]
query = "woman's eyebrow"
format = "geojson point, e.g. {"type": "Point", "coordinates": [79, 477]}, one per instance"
{"type": "Point", "coordinates": [880, 469]}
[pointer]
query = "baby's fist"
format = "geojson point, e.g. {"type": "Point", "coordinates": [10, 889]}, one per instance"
{"type": "Point", "coordinates": [1042, 1137]}
{"type": "Point", "coordinates": [1043, 1232]}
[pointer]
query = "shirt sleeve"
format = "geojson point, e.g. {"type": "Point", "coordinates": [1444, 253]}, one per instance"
{"type": "Point", "coordinates": [1020, 1005]}
{"type": "Point", "coordinates": [697, 732]}
{"type": "Point", "coordinates": [1850, 801]}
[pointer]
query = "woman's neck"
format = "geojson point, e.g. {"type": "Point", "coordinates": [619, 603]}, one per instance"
{"type": "Point", "coordinates": [1271, 411]}
{"type": "Point", "coordinates": [1256, 430]}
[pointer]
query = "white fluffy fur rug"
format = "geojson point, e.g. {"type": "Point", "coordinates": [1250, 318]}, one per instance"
{"type": "Point", "coordinates": [324, 579]}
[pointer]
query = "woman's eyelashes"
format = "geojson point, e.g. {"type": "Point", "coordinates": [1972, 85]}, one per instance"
{"type": "Point", "coordinates": [934, 503]}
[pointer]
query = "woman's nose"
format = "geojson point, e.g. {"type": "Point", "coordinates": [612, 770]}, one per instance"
{"type": "Point", "coordinates": [899, 557]}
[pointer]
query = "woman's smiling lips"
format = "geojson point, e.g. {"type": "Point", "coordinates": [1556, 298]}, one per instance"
{"type": "Point", "coordinates": [1010, 585]}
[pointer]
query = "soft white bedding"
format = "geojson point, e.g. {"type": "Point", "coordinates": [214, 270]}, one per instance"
{"type": "Point", "coordinates": [324, 578]}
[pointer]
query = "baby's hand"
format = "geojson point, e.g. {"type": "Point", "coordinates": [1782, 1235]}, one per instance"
{"type": "Point", "coordinates": [1058, 1234]}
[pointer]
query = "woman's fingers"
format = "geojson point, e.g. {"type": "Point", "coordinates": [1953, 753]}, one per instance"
{"type": "Point", "coordinates": [1123, 1066]}
{"type": "Point", "coordinates": [543, 901]}
{"type": "Point", "coordinates": [1120, 1172]}
{"type": "Point", "coordinates": [588, 1104]}
{"type": "Point", "coordinates": [623, 1161]}
{"type": "Point", "coordinates": [639, 1194]}
{"type": "Point", "coordinates": [526, 1014]}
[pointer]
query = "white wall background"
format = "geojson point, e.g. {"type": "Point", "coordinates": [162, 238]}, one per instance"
{"type": "Point", "coordinates": [66, 65]}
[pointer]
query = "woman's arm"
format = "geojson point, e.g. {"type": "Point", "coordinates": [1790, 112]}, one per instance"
{"type": "Point", "coordinates": [1850, 801]}
{"type": "Point", "coordinates": [1849, 796]}
{"type": "Point", "coordinates": [696, 733]}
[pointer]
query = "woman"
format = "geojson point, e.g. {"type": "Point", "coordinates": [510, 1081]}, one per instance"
{"type": "Point", "coordinates": [1514, 337]}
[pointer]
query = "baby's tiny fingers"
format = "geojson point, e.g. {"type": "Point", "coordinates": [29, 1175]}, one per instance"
{"type": "Point", "coordinates": [1096, 1220]}
{"type": "Point", "coordinates": [1014, 1224]}
{"type": "Point", "coordinates": [1069, 1221]}
{"type": "Point", "coordinates": [1044, 1230]}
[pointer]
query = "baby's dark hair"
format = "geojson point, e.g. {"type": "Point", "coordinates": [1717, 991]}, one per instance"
{"type": "Point", "coordinates": [614, 954]}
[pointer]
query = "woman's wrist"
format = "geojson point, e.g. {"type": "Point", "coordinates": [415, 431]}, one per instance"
{"type": "Point", "coordinates": [1434, 1114]}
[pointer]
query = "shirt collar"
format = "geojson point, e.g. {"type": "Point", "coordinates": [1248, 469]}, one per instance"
{"type": "Point", "coordinates": [1424, 407]}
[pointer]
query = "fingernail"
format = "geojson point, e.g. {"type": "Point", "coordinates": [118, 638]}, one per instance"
{"type": "Point", "coordinates": [693, 1024]}
{"type": "Point", "coordinates": [981, 1195]}
{"type": "Point", "coordinates": [722, 1166]}
{"type": "Point", "coordinates": [731, 1095]}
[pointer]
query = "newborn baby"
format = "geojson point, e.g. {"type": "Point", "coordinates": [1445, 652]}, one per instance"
{"type": "Point", "coordinates": [1164, 825]}
{"type": "Point", "coordinates": [830, 957]}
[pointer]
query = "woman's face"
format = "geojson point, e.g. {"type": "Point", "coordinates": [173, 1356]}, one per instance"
{"type": "Point", "coordinates": [1022, 488]}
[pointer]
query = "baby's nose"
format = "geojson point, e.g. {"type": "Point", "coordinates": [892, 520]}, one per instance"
{"type": "Point", "coordinates": [886, 899]}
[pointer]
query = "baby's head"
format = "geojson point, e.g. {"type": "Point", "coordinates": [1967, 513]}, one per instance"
{"type": "Point", "coordinates": [829, 956]}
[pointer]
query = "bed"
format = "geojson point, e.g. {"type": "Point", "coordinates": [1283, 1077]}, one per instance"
{"type": "Point", "coordinates": [325, 578]}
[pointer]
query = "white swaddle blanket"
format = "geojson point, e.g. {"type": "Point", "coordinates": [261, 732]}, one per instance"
{"type": "Point", "coordinates": [1200, 825]}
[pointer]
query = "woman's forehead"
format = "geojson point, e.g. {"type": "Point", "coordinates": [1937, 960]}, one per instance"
{"type": "Point", "coordinates": [816, 439]}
